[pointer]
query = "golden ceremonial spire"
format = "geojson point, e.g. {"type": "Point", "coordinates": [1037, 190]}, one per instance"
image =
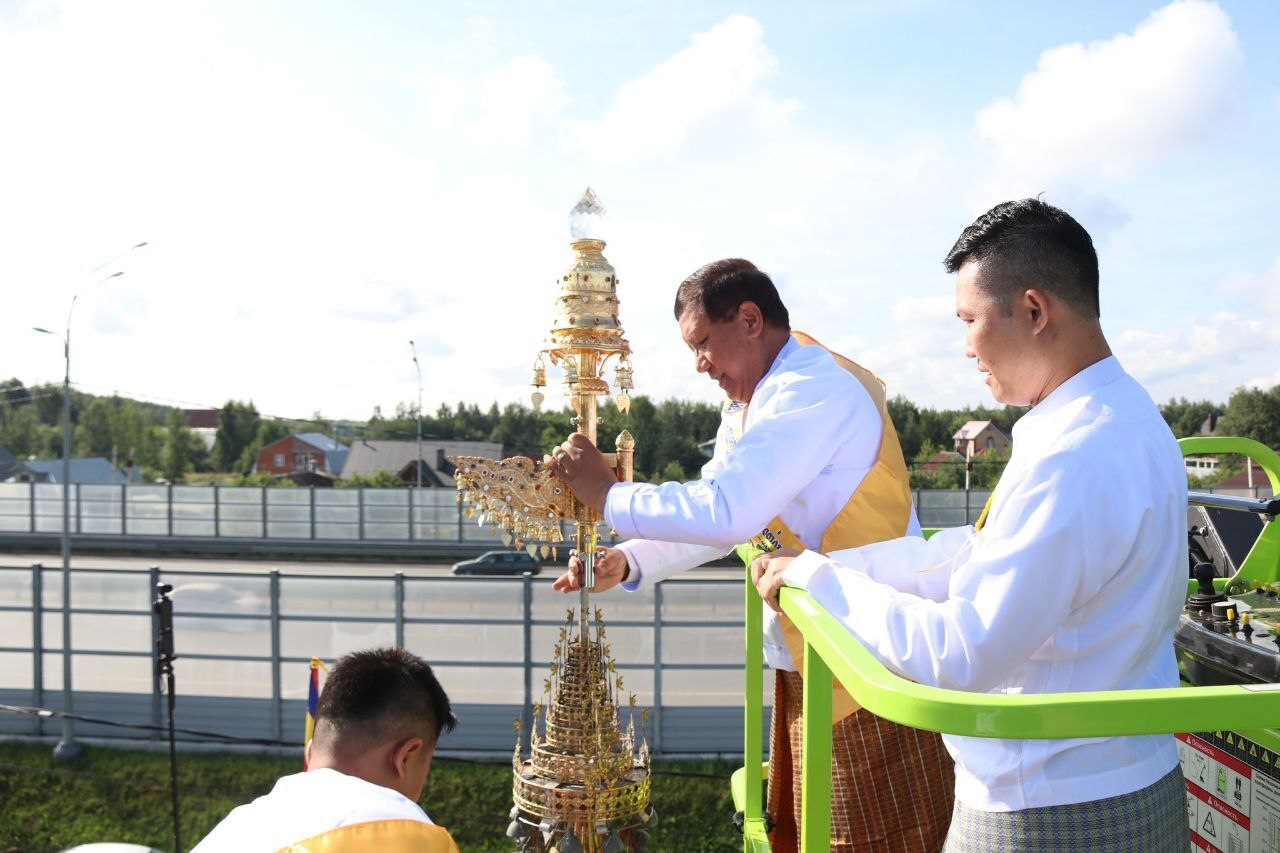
{"type": "Point", "coordinates": [585, 786]}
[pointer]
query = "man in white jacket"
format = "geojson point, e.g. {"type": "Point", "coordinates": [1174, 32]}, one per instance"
{"type": "Point", "coordinates": [1071, 581]}
{"type": "Point", "coordinates": [806, 454]}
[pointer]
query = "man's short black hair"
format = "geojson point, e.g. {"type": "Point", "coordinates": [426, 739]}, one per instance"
{"type": "Point", "coordinates": [720, 287]}
{"type": "Point", "coordinates": [1030, 243]}
{"type": "Point", "coordinates": [374, 695]}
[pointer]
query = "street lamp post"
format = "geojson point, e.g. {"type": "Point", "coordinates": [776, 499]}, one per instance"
{"type": "Point", "coordinates": [418, 465]}
{"type": "Point", "coordinates": [67, 746]}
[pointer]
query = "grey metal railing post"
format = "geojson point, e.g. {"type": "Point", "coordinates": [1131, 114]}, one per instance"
{"type": "Point", "coordinates": [657, 668]}
{"type": "Point", "coordinates": [264, 512]}
{"type": "Point", "coordinates": [461, 515]}
{"type": "Point", "coordinates": [313, 512]}
{"type": "Point", "coordinates": [277, 710]}
{"type": "Point", "coordinates": [526, 713]}
{"type": "Point", "coordinates": [37, 641]}
{"type": "Point", "coordinates": [31, 506]}
{"type": "Point", "coordinates": [169, 508]}
{"type": "Point", "coordinates": [410, 510]}
{"type": "Point", "coordinates": [400, 610]}
{"type": "Point", "coordinates": [360, 510]}
{"type": "Point", "coordinates": [966, 507]}
{"type": "Point", "coordinates": [153, 576]}
{"type": "Point", "coordinates": [79, 523]}
{"type": "Point", "coordinates": [217, 512]}
{"type": "Point", "coordinates": [124, 511]}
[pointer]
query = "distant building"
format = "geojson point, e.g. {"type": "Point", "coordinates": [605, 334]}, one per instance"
{"type": "Point", "coordinates": [1242, 479]}
{"type": "Point", "coordinates": [204, 423]}
{"type": "Point", "coordinates": [399, 457]}
{"type": "Point", "coordinates": [302, 453]}
{"type": "Point", "coordinates": [940, 459]}
{"type": "Point", "coordinates": [95, 470]}
{"type": "Point", "coordinates": [1200, 466]}
{"type": "Point", "coordinates": [978, 437]}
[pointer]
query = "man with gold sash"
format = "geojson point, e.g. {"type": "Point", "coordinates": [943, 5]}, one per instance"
{"type": "Point", "coordinates": [377, 722]}
{"type": "Point", "coordinates": [806, 456]}
{"type": "Point", "coordinates": [1073, 579]}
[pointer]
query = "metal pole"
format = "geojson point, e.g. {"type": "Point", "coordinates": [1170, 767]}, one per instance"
{"type": "Point", "coordinates": [276, 721]}
{"type": "Point", "coordinates": [418, 466]}
{"type": "Point", "coordinates": [154, 580]}
{"type": "Point", "coordinates": [37, 641]}
{"type": "Point", "coordinates": [400, 610]}
{"type": "Point", "coordinates": [67, 746]}
{"type": "Point", "coordinates": [657, 668]}
{"type": "Point", "coordinates": [526, 713]}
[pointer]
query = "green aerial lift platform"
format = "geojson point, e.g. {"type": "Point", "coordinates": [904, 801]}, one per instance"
{"type": "Point", "coordinates": [1226, 715]}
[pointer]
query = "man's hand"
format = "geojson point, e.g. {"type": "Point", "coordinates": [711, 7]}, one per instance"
{"type": "Point", "coordinates": [611, 570]}
{"type": "Point", "coordinates": [766, 574]}
{"type": "Point", "coordinates": [583, 469]}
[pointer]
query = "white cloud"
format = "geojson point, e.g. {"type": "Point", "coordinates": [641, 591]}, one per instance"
{"type": "Point", "coordinates": [1194, 362]}
{"type": "Point", "coordinates": [1104, 111]}
{"type": "Point", "coordinates": [497, 110]}
{"type": "Point", "coordinates": [722, 71]}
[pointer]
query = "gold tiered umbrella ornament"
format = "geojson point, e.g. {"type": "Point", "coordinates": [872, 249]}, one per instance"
{"type": "Point", "coordinates": [585, 786]}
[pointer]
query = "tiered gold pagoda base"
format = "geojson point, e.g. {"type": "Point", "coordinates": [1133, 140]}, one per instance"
{"type": "Point", "coordinates": [585, 785]}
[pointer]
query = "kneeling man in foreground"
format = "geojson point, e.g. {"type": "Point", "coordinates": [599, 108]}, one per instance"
{"type": "Point", "coordinates": [377, 722]}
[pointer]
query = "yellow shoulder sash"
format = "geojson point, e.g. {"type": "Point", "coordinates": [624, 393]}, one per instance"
{"type": "Point", "coordinates": [878, 510]}
{"type": "Point", "coordinates": [385, 836]}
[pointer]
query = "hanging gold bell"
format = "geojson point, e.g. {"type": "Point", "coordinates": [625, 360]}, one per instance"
{"type": "Point", "coordinates": [623, 402]}
{"type": "Point", "coordinates": [622, 375]}
{"type": "Point", "coordinates": [537, 397]}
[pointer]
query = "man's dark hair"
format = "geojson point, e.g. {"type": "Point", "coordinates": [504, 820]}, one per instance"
{"type": "Point", "coordinates": [1029, 243]}
{"type": "Point", "coordinates": [377, 694]}
{"type": "Point", "coordinates": [720, 287]}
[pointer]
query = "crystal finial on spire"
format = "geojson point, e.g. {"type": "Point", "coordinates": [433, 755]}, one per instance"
{"type": "Point", "coordinates": [587, 219]}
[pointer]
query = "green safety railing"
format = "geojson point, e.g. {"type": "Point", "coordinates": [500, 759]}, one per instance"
{"type": "Point", "coordinates": [829, 650]}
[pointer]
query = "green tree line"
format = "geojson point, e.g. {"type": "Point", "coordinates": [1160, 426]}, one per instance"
{"type": "Point", "coordinates": [668, 432]}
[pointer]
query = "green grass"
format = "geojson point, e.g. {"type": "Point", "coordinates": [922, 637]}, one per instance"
{"type": "Point", "coordinates": [120, 795]}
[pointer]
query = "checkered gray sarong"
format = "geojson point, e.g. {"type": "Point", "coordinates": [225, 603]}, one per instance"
{"type": "Point", "coordinates": [1150, 820]}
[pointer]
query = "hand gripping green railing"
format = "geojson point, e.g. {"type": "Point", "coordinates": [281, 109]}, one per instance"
{"type": "Point", "coordinates": [831, 651]}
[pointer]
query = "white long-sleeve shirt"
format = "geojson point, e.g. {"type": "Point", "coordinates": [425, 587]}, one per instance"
{"type": "Point", "coordinates": [1073, 584]}
{"type": "Point", "coordinates": [809, 437]}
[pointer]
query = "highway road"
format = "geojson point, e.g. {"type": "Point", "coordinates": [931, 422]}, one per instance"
{"type": "Point", "coordinates": [298, 567]}
{"type": "Point", "coordinates": [471, 629]}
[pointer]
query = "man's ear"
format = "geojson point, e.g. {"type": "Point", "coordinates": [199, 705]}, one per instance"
{"type": "Point", "coordinates": [407, 750]}
{"type": "Point", "coordinates": [1035, 306]}
{"type": "Point", "coordinates": [751, 319]}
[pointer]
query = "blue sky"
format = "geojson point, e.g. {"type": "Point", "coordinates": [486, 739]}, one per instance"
{"type": "Point", "coordinates": [321, 182]}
